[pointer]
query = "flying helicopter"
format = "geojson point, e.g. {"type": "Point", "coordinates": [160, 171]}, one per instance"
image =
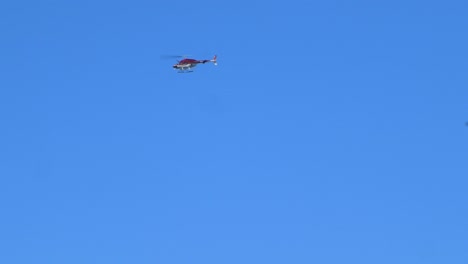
{"type": "Point", "coordinates": [186, 65]}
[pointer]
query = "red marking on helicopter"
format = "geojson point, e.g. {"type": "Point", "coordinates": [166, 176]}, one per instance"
{"type": "Point", "coordinates": [186, 64]}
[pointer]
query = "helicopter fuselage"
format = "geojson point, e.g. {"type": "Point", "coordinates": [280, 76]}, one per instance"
{"type": "Point", "coordinates": [187, 64]}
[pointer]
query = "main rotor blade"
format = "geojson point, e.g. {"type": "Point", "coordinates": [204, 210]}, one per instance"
{"type": "Point", "coordinates": [172, 56]}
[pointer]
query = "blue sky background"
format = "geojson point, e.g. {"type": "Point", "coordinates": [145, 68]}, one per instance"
{"type": "Point", "coordinates": [330, 132]}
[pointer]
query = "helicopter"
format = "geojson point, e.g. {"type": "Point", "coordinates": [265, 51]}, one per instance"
{"type": "Point", "coordinates": [186, 65]}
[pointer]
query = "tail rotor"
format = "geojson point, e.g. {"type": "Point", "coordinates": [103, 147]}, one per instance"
{"type": "Point", "coordinates": [214, 60]}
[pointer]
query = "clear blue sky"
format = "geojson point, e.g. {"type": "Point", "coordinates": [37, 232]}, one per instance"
{"type": "Point", "coordinates": [330, 132]}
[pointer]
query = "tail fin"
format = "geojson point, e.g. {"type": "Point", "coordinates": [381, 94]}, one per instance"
{"type": "Point", "coordinates": [215, 62]}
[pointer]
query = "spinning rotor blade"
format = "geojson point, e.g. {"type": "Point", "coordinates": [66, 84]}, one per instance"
{"type": "Point", "coordinates": [173, 56]}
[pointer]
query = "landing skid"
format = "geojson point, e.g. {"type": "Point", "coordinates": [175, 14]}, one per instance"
{"type": "Point", "coordinates": [184, 71]}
